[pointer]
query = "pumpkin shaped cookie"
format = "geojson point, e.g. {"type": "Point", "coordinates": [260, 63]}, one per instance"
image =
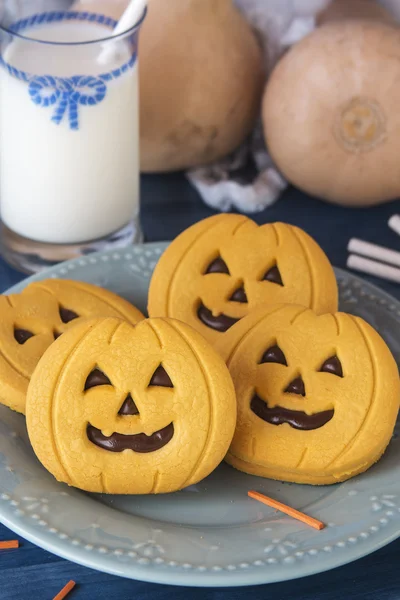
{"type": "Point", "coordinates": [318, 396]}
{"type": "Point", "coordinates": [131, 410]}
{"type": "Point", "coordinates": [218, 270]}
{"type": "Point", "coordinates": [30, 322]}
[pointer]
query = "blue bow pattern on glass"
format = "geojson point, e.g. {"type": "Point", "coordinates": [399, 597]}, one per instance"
{"type": "Point", "coordinates": [66, 95]}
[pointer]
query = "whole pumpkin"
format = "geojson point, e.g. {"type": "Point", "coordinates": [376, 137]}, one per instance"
{"type": "Point", "coordinates": [111, 8]}
{"type": "Point", "coordinates": [338, 10]}
{"type": "Point", "coordinates": [331, 115]}
{"type": "Point", "coordinates": [201, 81]}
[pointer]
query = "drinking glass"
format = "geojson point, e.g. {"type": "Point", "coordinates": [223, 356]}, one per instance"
{"type": "Point", "coordinates": [69, 136]}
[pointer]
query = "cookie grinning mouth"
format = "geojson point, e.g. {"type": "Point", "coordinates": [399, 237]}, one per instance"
{"type": "Point", "coordinates": [295, 418]}
{"type": "Point", "coordinates": [219, 323]}
{"type": "Point", "coordinates": [142, 443]}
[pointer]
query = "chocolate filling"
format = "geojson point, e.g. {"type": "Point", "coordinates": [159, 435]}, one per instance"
{"type": "Point", "coordinates": [129, 408]}
{"type": "Point", "coordinates": [274, 276]}
{"type": "Point", "coordinates": [332, 365]}
{"type": "Point", "coordinates": [239, 296]}
{"type": "Point", "coordinates": [218, 266]}
{"type": "Point", "coordinates": [95, 378]}
{"type": "Point", "coordinates": [220, 323]}
{"type": "Point", "coordinates": [22, 335]}
{"type": "Point", "coordinates": [274, 355]}
{"type": "Point", "coordinates": [295, 418]}
{"type": "Point", "coordinates": [118, 442]}
{"type": "Point", "coordinates": [161, 378]}
{"type": "Point", "coordinates": [296, 387]}
{"type": "Point", "coordinates": [67, 315]}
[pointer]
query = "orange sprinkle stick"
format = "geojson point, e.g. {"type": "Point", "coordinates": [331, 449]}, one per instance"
{"type": "Point", "coordinates": [9, 545]}
{"type": "Point", "coordinates": [65, 591]}
{"type": "Point", "coordinates": [292, 512]}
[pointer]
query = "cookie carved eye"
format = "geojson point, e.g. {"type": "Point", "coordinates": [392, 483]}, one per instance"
{"type": "Point", "coordinates": [95, 378]}
{"type": "Point", "coordinates": [274, 355]}
{"type": "Point", "coordinates": [218, 266]}
{"type": "Point", "coordinates": [332, 365]}
{"type": "Point", "coordinates": [67, 315]}
{"type": "Point", "coordinates": [161, 378]}
{"type": "Point", "coordinates": [22, 335]}
{"type": "Point", "coordinates": [273, 275]}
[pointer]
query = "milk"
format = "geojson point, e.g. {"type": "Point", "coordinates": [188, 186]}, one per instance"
{"type": "Point", "coordinates": [60, 184]}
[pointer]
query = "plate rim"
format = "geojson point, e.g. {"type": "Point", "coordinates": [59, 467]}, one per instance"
{"type": "Point", "coordinates": [204, 579]}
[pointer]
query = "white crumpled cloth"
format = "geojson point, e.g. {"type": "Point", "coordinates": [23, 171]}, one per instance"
{"type": "Point", "coordinates": [222, 185]}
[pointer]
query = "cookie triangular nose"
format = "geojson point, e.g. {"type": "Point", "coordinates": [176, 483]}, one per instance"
{"type": "Point", "coordinates": [128, 408]}
{"type": "Point", "coordinates": [296, 387]}
{"type": "Point", "coordinates": [239, 296]}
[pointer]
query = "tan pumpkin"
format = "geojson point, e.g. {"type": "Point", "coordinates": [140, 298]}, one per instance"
{"type": "Point", "coordinates": [201, 80]}
{"type": "Point", "coordinates": [111, 8]}
{"type": "Point", "coordinates": [331, 114]}
{"type": "Point", "coordinates": [339, 10]}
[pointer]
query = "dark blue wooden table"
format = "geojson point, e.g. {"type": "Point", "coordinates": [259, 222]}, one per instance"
{"type": "Point", "coordinates": [169, 206]}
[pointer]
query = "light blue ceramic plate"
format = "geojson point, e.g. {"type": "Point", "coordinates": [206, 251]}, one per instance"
{"type": "Point", "coordinates": [210, 534]}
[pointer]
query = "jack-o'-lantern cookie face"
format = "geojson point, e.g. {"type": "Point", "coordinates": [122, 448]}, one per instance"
{"type": "Point", "coordinates": [317, 396]}
{"type": "Point", "coordinates": [32, 320]}
{"type": "Point", "coordinates": [217, 271]}
{"type": "Point", "coordinates": [131, 410]}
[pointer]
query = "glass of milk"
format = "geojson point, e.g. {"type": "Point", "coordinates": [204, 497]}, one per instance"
{"type": "Point", "coordinates": [69, 139]}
